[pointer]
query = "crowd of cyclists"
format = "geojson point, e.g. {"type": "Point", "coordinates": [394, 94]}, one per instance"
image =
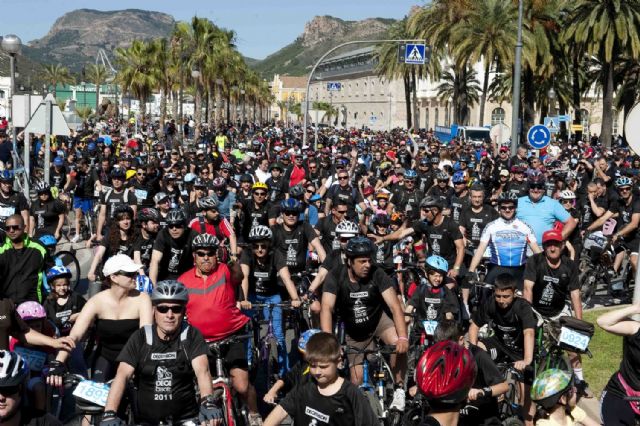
{"type": "Point", "coordinates": [452, 255]}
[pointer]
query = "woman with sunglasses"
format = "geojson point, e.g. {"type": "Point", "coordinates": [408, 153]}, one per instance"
{"type": "Point", "coordinates": [117, 312]}
{"type": "Point", "coordinates": [47, 213]}
{"type": "Point", "coordinates": [119, 238]}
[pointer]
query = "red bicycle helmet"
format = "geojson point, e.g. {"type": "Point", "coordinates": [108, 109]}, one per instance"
{"type": "Point", "coordinates": [445, 373]}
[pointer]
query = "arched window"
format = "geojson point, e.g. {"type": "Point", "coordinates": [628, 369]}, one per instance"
{"type": "Point", "coordinates": [436, 118]}
{"type": "Point", "coordinates": [497, 116]}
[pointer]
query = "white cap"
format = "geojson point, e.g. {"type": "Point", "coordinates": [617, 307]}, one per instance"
{"type": "Point", "coordinates": [119, 262]}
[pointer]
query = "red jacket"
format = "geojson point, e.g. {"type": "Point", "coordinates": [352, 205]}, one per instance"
{"type": "Point", "coordinates": [212, 303]}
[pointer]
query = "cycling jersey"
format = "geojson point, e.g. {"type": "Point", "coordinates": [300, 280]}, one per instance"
{"type": "Point", "coordinates": [221, 230]}
{"type": "Point", "coordinates": [508, 241]}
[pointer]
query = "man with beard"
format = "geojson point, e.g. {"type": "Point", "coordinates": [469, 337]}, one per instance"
{"type": "Point", "coordinates": [171, 254]}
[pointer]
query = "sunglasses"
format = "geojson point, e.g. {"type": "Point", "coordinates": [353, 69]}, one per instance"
{"type": "Point", "coordinates": [625, 189]}
{"type": "Point", "coordinates": [566, 201]}
{"type": "Point", "coordinates": [260, 194]}
{"type": "Point", "coordinates": [260, 246]}
{"type": "Point", "coordinates": [9, 390]}
{"type": "Point", "coordinates": [175, 226]}
{"type": "Point", "coordinates": [309, 191]}
{"type": "Point", "coordinates": [224, 171]}
{"type": "Point", "coordinates": [343, 177]}
{"type": "Point", "coordinates": [536, 186]}
{"type": "Point", "coordinates": [13, 227]}
{"type": "Point", "coordinates": [341, 211]}
{"type": "Point", "coordinates": [205, 254]}
{"type": "Point", "coordinates": [507, 208]}
{"type": "Point", "coordinates": [176, 309]}
{"type": "Point", "coordinates": [127, 274]}
{"type": "Point", "coordinates": [141, 174]}
{"type": "Point", "coordinates": [290, 213]}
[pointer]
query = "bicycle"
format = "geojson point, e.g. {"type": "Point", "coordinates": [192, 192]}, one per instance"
{"type": "Point", "coordinates": [234, 413]}
{"type": "Point", "coordinates": [68, 259]}
{"type": "Point", "coordinates": [91, 397]}
{"type": "Point", "coordinates": [378, 387]}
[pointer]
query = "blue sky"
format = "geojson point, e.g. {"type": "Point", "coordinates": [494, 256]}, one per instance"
{"type": "Point", "coordinates": [262, 26]}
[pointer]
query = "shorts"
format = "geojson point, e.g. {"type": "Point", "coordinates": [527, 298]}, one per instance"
{"type": "Point", "coordinates": [383, 325]}
{"type": "Point", "coordinates": [84, 204]}
{"type": "Point", "coordinates": [235, 354]}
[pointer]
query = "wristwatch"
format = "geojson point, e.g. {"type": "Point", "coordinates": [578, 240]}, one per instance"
{"type": "Point", "coordinates": [487, 391]}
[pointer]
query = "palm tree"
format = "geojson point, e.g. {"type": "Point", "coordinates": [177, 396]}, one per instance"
{"type": "Point", "coordinates": [489, 34]}
{"type": "Point", "coordinates": [467, 90]}
{"type": "Point", "coordinates": [136, 71]}
{"type": "Point", "coordinates": [608, 28]}
{"type": "Point", "coordinates": [84, 113]}
{"type": "Point", "coordinates": [56, 74]}
{"type": "Point", "coordinates": [97, 74]}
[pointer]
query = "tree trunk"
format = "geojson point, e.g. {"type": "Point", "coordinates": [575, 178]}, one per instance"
{"type": "Point", "coordinates": [407, 97]}
{"type": "Point", "coordinates": [97, 98]}
{"type": "Point", "coordinates": [457, 98]}
{"type": "Point", "coordinates": [163, 107]}
{"type": "Point", "coordinates": [485, 87]}
{"type": "Point", "coordinates": [529, 101]}
{"type": "Point", "coordinates": [228, 107]}
{"type": "Point", "coordinates": [219, 106]}
{"type": "Point", "coordinates": [576, 90]}
{"type": "Point", "coordinates": [607, 104]}
{"type": "Point", "coordinates": [414, 92]}
{"type": "Point", "coordinates": [174, 105]}
{"type": "Point", "coordinates": [197, 111]}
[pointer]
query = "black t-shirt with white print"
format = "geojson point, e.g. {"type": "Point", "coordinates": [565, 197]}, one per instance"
{"type": "Point", "coordinates": [552, 287]}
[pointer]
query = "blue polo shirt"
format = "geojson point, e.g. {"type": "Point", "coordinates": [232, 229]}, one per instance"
{"type": "Point", "coordinates": [542, 215]}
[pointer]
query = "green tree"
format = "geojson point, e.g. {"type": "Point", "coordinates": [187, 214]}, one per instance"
{"type": "Point", "coordinates": [466, 89]}
{"type": "Point", "coordinates": [136, 73]}
{"type": "Point", "coordinates": [97, 74]}
{"type": "Point", "coordinates": [608, 28]}
{"type": "Point", "coordinates": [54, 74]}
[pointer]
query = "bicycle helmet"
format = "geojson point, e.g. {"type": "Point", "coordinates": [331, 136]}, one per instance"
{"type": "Point", "coordinates": [48, 241]}
{"type": "Point", "coordinates": [359, 247]}
{"type": "Point", "coordinates": [118, 172]}
{"type": "Point", "coordinates": [219, 183]}
{"type": "Point", "coordinates": [382, 195]}
{"type": "Point", "coordinates": [410, 174]}
{"type": "Point", "coordinates": [442, 176]}
{"type": "Point", "coordinates": [207, 203]}
{"type": "Point", "coordinates": [190, 177]}
{"type": "Point", "coordinates": [459, 177]}
{"type": "Point", "coordinates": [304, 339]}
{"type": "Point", "coordinates": [260, 233]}
{"type": "Point", "coordinates": [202, 241]}
{"type": "Point", "coordinates": [296, 191]}
{"type": "Point", "coordinates": [507, 197]}
{"type": "Point", "coordinates": [435, 160]}
{"type": "Point", "coordinates": [169, 176]}
{"type": "Point", "coordinates": [246, 178]}
{"type": "Point", "coordinates": [42, 187]}
{"type": "Point", "coordinates": [431, 201]}
{"type": "Point", "coordinates": [424, 161]}
{"type": "Point", "coordinates": [91, 147]}
{"type": "Point", "coordinates": [58, 272]}
{"type": "Point", "coordinates": [6, 176]}
{"type": "Point", "coordinates": [368, 190]}
{"type": "Point", "coordinates": [549, 386]}
{"type": "Point", "coordinates": [290, 205]}
{"type": "Point", "coordinates": [463, 159]}
{"type": "Point", "coordinates": [536, 177]}
{"type": "Point", "coordinates": [567, 195]}
{"type": "Point", "coordinates": [175, 217]}
{"type": "Point", "coordinates": [346, 229]}
{"type": "Point", "coordinates": [123, 209]}
{"type": "Point", "coordinates": [259, 185]}
{"type": "Point", "coordinates": [437, 263]}
{"type": "Point", "coordinates": [170, 291]}
{"type": "Point", "coordinates": [149, 213]}
{"type": "Point", "coordinates": [381, 220]}
{"type": "Point", "coordinates": [58, 161]}
{"type": "Point", "coordinates": [13, 369]}
{"type": "Point", "coordinates": [226, 166]}
{"type": "Point", "coordinates": [623, 181]}
{"type": "Point", "coordinates": [31, 310]}
{"type": "Point", "coordinates": [445, 373]}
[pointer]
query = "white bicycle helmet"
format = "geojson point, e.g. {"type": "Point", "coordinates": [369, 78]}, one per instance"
{"type": "Point", "coordinates": [205, 241]}
{"type": "Point", "coordinates": [13, 369]}
{"type": "Point", "coordinates": [347, 229]}
{"type": "Point", "coordinates": [207, 203]}
{"type": "Point", "coordinates": [169, 290]}
{"type": "Point", "coordinates": [260, 233]}
{"type": "Point", "coordinates": [567, 195]}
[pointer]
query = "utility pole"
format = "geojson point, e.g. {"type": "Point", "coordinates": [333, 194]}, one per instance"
{"type": "Point", "coordinates": [515, 102]}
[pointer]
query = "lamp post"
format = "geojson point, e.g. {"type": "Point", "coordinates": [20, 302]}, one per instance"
{"type": "Point", "coordinates": [515, 102]}
{"type": "Point", "coordinates": [12, 44]}
{"type": "Point", "coordinates": [242, 92]}
{"type": "Point", "coordinates": [219, 104]}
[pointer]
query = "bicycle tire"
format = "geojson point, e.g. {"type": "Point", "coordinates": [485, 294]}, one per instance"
{"type": "Point", "coordinates": [372, 399]}
{"type": "Point", "coordinates": [272, 367]}
{"type": "Point", "coordinates": [512, 421]}
{"type": "Point", "coordinates": [70, 261]}
{"type": "Point", "coordinates": [588, 282]}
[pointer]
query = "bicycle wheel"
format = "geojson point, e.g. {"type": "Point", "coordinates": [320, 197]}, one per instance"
{"type": "Point", "coordinates": [374, 404]}
{"type": "Point", "coordinates": [69, 260]}
{"type": "Point", "coordinates": [272, 367]}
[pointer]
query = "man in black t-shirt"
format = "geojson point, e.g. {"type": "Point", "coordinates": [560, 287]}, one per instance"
{"type": "Point", "coordinates": [149, 222]}
{"type": "Point", "coordinates": [326, 226]}
{"type": "Point", "coordinates": [594, 205]}
{"type": "Point", "coordinates": [365, 299]}
{"type": "Point", "coordinates": [172, 252]}
{"type": "Point", "coordinates": [165, 358]}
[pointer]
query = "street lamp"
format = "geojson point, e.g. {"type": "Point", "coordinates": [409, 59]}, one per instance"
{"type": "Point", "coordinates": [12, 44]}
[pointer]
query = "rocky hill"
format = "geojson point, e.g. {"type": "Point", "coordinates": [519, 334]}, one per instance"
{"type": "Point", "coordinates": [74, 39]}
{"type": "Point", "coordinates": [320, 34]}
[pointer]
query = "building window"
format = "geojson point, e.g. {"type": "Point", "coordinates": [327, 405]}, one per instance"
{"type": "Point", "coordinates": [436, 117]}
{"type": "Point", "coordinates": [615, 122]}
{"type": "Point", "coordinates": [497, 116]}
{"type": "Point", "coordinates": [1, 94]}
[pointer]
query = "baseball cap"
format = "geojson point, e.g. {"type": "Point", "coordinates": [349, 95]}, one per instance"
{"type": "Point", "coordinates": [198, 152]}
{"type": "Point", "coordinates": [552, 235]}
{"type": "Point", "coordinates": [119, 262]}
{"type": "Point", "coordinates": [504, 149]}
{"type": "Point", "coordinates": [504, 172]}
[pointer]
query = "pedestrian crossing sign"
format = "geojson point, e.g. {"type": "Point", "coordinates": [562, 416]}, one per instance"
{"type": "Point", "coordinates": [552, 123]}
{"type": "Point", "coordinates": [414, 54]}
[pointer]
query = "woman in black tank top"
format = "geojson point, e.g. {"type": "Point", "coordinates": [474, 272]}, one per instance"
{"type": "Point", "coordinates": [117, 312]}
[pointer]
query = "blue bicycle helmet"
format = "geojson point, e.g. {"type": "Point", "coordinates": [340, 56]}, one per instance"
{"type": "Point", "coordinates": [304, 339]}
{"type": "Point", "coordinates": [91, 147]}
{"type": "Point", "coordinates": [290, 204]}
{"type": "Point", "coordinates": [6, 176]}
{"type": "Point", "coordinates": [459, 177]}
{"type": "Point", "coordinates": [410, 174]}
{"type": "Point", "coordinates": [437, 263]}
{"type": "Point", "coordinates": [58, 161]}
{"type": "Point", "coordinates": [48, 240]}
{"type": "Point", "coordinates": [623, 181]}
{"type": "Point", "coordinates": [58, 272]}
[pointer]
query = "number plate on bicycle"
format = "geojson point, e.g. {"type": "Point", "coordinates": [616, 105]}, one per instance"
{"type": "Point", "coordinates": [430, 327]}
{"type": "Point", "coordinates": [93, 392]}
{"type": "Point", "coordinates": [574, 339]}
{"type": "Point", "coordinates": [35, 359]}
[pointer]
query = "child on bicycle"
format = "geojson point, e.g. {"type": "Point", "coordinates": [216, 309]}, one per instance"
{"type": "Point", "coordinates": [327, 398]}
{"type": "Point", "coordinates": [297, 374]}
{"type": "Point", "coordinates": [554, 391]}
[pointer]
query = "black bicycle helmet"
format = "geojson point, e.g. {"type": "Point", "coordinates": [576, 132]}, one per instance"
{"type": "Point", "coordinates": [118, 172]}
{"type": "Point", "coordinates": [149, 213]}
{"type": "Point", "coordinates": [42, 187]}
{"type": "Point", "coordinates": [203, 241]}
{"type": "Point", "coordinates": [431, 201]}
{"type": "Point", "coordinates": [359, 247]}
{"type": "Point", "coordinates": [122, 209]}
{"type": "Point", "coordinates": [176, 217]}
{"type": "Point", "coordinates": [507, 197]}
{"type": "Point", "coordinates": [169, 291]}
{"type": "Point", "coordinates": [296, 191]}
{"type": "Point", "coordinates": [381, 220]}
{"type": "Point", "coordinates": [246, 178]}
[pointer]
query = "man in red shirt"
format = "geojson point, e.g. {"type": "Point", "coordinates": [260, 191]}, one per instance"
{"type": "Point", "coordinates": [209, 221]}
{"type": "Point", "coordinates": [212, 310]}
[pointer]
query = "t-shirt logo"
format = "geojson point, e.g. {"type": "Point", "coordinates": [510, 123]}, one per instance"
{"type": "Point", "coordinates": [316, 415]}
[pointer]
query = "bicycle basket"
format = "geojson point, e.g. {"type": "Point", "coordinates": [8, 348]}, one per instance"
{"type": "Point", "coordinates": [575, 334]}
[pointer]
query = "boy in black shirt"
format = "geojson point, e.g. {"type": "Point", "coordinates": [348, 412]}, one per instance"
{"type": "Point", "coordinates": [327, 398]}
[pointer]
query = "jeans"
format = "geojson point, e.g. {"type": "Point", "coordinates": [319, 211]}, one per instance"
{"type": "Point", "coordinates": [278, 329]}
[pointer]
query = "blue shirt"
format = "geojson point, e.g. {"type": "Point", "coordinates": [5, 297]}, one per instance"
{"type": "Point", "coordinates": [542, 215]}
